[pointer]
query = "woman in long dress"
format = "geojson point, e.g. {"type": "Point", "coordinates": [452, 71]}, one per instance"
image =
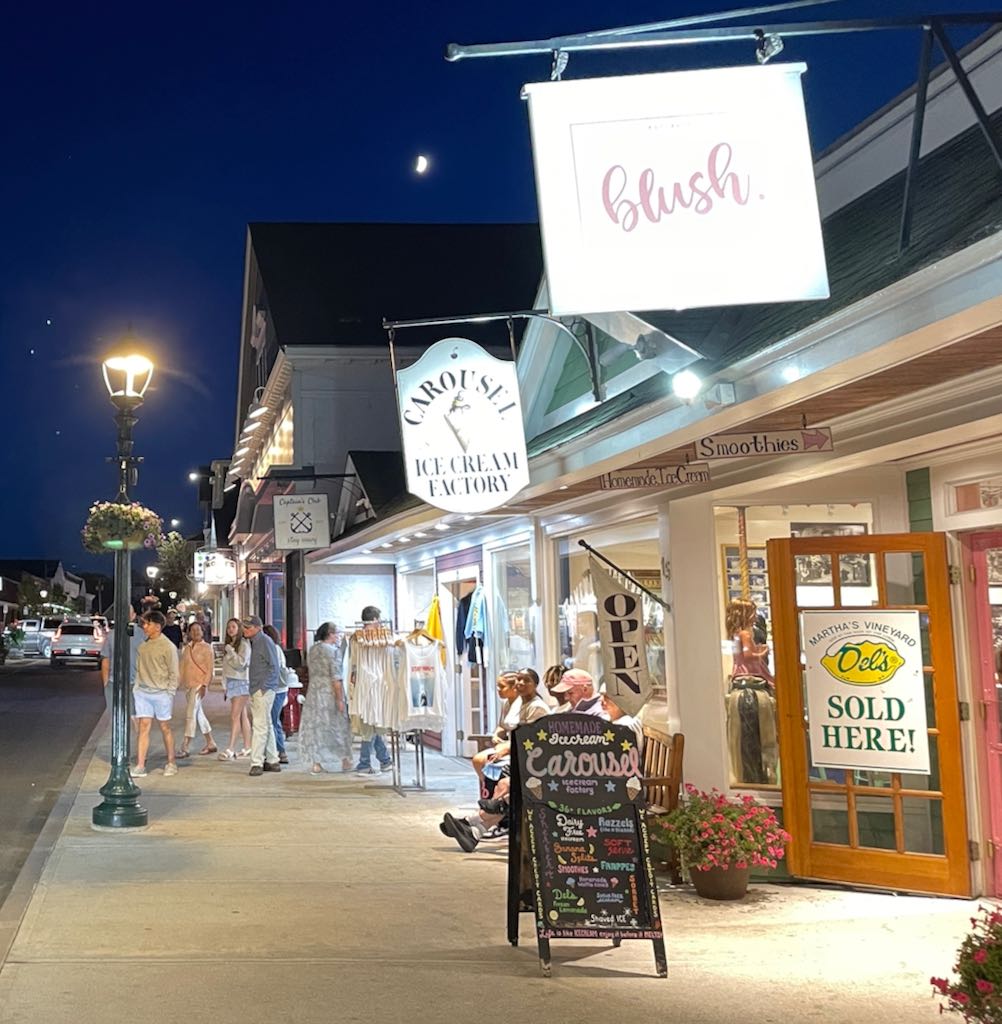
{"type": "Point", "coordinates": [325, 731]}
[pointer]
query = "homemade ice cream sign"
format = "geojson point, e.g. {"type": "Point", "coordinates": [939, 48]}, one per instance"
{"type": "Point", "coordinates": [866, 702]}
{"type": "Point", "coordinates": [670, 191]}
{"type": "Point", "coordinates": [578, 794]}
{"type": "Point", "coordinates": [461, 423]}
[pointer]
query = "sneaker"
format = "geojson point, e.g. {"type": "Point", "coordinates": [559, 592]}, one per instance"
{"type": "Point", "coordinates": [461, 831]}
{"type": "Point", "coordinates": [364, 773]}
{"type": "Point", "coordinates": [226, 755]}
{"type": "Point", "coordinates": [256, 769]}
{"type": "Point", "coordinates": [273, 766]}
{"type": "Point", "coordinates": [443, 829]}
{"type": "Point", "coordinates": [495, 834]}
{"type": "Point", "coordinates": [386, 766]}
{"type": "Point", "coordinates": [138, 772]}
{"type": "Point", "coordinates": [170, 769]}
{"type": "Point", "coordinates": [283, 758]}
{"type": "Point", "coordinates": [498, 806]}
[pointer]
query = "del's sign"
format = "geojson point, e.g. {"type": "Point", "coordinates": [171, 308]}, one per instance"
{"type": "Point", "coordinates": [461, 422]}
{"type": "Point", "coordinates": [670, 191]}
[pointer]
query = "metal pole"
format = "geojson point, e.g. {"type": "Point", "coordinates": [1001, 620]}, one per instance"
{"type": "Point", "coordinates": [918, 122]}
{"type": "Point", "coordinates": [650, 593]}
{"type": "Point", "coordinates": [120, 807]}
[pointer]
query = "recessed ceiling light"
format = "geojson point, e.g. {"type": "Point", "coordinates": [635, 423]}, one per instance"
{"type": "Point", "coordinates": [686, 385]}
{"type": "Point", "coordinates": [366, 551]}
{"type": "Point", "coordinates": [242, 451]}
{"type": "Point", "coordinates": [564, 487]}
{"type": "Point", "coordinates": [386, 545]}
{"type": "Point", "coordinates": [468, 518]}
{"type": "Point", "coordinates": [420, 534]}
{"type": "Point", "coordinates": [403, 540]}
{"type": "Point", "coordinates": [441, 526]}
{"type": "Point", "coordinates": [791, 373]}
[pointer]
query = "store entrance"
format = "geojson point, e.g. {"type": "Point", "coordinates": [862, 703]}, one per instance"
{"type": "Point", "coordinates": [853, 818]}
{"type": "Point", "coordinates": [983, 557]}
{"type": "Point", "coordinates": [455, 590]}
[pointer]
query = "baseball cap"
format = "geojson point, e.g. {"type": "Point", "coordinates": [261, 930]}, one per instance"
{"type": "Point", "coordinates": [572, 677]}
{"type": "Point", "coordinates": [251, 620]}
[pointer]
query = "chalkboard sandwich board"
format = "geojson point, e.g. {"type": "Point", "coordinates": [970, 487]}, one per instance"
{"type": "Point", "coordinates": [578, 851]}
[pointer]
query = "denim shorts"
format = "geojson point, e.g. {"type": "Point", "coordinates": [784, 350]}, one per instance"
{"type": "Point", "coordinates": [158, 705]}
{"type": "Point", "coordinates": [237, 688]}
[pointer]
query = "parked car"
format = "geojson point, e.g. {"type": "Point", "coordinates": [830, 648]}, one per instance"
{"type": "Point", "coordinates": [77, 643]}
{"type": "Point", "coordinates": [38, 634]}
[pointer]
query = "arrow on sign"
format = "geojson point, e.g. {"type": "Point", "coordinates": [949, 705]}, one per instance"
{"type": "Point", "coordinates": [819, 439]}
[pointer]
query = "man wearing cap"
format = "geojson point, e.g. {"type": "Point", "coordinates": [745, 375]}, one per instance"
{"type": "Point", "coordinates": [577, 689]}
{"type": "Point", "coordinates": [263, 677]}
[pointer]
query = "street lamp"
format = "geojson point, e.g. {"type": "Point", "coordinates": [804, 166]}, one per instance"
{"type": "Point", "coordinates": [126, 377]}
{"type": "Point", "coordinates": [152, 571]}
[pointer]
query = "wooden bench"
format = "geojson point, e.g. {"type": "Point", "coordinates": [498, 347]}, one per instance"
{"type": "Point", "coordinates": [662, 779]}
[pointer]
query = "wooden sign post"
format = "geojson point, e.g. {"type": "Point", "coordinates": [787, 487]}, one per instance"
{"type": "Point", "coordinates": [578, 854]}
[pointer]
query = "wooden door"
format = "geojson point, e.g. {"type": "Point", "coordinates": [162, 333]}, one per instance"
{"type": "Point", "coordinates": [983, 562]}
{"type": "Point", "coordinates": [870, 827]}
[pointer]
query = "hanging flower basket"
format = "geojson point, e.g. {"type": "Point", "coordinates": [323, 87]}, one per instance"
{"type": "Point", "coordinates": [114, 526]}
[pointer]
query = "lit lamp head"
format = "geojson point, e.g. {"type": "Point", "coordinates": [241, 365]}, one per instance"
{"type": "Point", "coordinates": [127, 378]}
{"type": "Point", "coordinates": [152, 571]}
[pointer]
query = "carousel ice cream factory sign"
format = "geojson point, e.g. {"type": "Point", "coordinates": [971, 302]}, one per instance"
{"type": "Point", "coordinates": [866, 690]}
{"type": "Point", "coordinates": [461, 422]}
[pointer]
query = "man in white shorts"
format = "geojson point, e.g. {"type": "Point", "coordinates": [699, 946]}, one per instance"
{"type": "Point", "coordinates": [156, 683]}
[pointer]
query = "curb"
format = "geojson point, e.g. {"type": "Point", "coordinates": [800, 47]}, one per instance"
{"type": "Point", "coordinates": [13, 908]}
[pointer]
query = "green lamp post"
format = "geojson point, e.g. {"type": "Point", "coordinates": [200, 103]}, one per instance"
{"type": "Point", "coordinates": [126, 378]}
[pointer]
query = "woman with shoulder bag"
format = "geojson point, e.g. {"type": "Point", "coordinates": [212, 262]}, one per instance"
{"type": "Point", "coordinates": [236, 660]}
{"type": "Point", "coordinates": [325, 731]}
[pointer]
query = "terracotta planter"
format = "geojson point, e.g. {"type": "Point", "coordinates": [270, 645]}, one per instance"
{"type": "Point", "coordinates": [721, 883]}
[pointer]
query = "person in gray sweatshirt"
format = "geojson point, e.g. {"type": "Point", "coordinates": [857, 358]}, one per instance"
{"type": "Point", "coordinates": [263, 675]}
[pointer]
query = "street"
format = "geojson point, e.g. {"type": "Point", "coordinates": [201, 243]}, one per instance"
{"type": "Point", "coordinates": [46, 716]}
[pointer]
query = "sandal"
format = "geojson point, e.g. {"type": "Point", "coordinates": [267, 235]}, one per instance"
{"type": "Point", "coordinates": [208, 750]}
{"type": "Point", "coordinates": [183, 753]}
{"type": "Point", "coordinates": [246, 752]}
{"type": "Point", "coordinates": [227, 755]}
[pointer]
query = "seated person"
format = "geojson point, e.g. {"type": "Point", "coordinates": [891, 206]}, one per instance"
{"type": "Point", "coordinates": [551, 677]}
{"type": "Point", "coordinates": [511, 705]}
{"type": "Point", "coordinates": [576, 688]}
{"type": "Point", "coordinates": [532, 707]}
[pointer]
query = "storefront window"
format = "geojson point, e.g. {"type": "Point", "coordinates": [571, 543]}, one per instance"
{"type": "Point", "coordinates": [414, 595]}
{"type": "Point", "coordinates": [513, 628]}
{"type": "Point", "coordinates": [748, 656]}
{"type": "Point", "coordinates": [274, 603]}
{"type": "Point", "coordinates": [634, 548]}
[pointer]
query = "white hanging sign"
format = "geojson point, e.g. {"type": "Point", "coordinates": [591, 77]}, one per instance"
{"type": "Point", "coordinates": [461, 423]}
{"type": "Point", "coordinates": [865, 690]}
{"type": "Point", "coordinates": [677, 190]}
{"type": "Point", "coordinates": [302, 521]}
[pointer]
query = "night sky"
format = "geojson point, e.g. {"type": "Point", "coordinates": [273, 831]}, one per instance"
{"type": "Point", "coordinates": [137, 143]}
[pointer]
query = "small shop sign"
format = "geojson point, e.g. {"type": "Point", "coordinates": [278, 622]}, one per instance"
{"type": "Point", "coordinates": [462, 430]}
{"type": "Point", "coordinates": [655, 478]}
{"type": "Point", "coordinates": [866, 702]}
{"type": "Point", "coordinates": [677, 190]}
{"type": "Point", "coordinates": [765, 443]}
{"type": "Point", "coordinates": [302, 522]}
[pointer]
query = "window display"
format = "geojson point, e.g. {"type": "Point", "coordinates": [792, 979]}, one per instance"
{"type": "Point", "coordinates": [749, 683]}
{"type": "Point", "coordinates": [636, 548]}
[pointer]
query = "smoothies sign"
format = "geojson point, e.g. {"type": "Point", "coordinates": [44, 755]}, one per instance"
{"type": "Point", "coordinates": [670, 191]}
{"type": "Point", "coordinates": [866, 690]}
{"type": "Point", "coordinates": [461, 422]}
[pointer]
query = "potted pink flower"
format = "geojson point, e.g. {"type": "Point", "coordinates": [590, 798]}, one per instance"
{"type": "Point", "coordinates": [113, 525]}
{"type": "Point", "coordinates": [720, 840]}
{"type": "Point", "coordinates": [976, 992]}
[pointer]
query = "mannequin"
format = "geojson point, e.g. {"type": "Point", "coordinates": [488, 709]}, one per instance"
{"type": "Point", "coordinates": [751, 705]}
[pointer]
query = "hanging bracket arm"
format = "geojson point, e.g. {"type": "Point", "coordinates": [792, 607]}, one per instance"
{"type": "Point", "coordinates": [650, 593]}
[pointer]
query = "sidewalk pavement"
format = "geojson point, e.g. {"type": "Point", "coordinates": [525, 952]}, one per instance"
{"type": "Point", "coordinates": [322, 899]}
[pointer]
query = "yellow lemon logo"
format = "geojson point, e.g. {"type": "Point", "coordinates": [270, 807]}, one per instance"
{"type": "Point", "coordinates": [862, 662]}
